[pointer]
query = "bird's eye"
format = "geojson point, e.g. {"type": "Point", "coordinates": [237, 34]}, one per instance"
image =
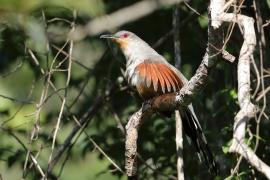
{"type": "Point", "coordinates": [125, 35]}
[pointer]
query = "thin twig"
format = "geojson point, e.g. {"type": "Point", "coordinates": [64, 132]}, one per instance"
{"type": "Point", "coordinates": [57, 126]}
{"type": "Point", "coordinates": [17, 100]}
{"type": "Point", "coordinates": [262, 47]}
{"type": "Point", "coordinates": [247, 109]}
{"type": "Point", "coordinates": [178, 120]}
{"type": "Point", "coordinates": [32, 158]}
{"type": "Point", "coordinates": [83, 122]}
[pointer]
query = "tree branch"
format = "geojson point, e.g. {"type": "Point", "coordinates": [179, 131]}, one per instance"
{"type": "Point", "coordinates": [121, 17]}
{"type": "Point", "coordinates": [171, 101]}
{"type": "Point", "coordinates": [178, 120]}
{"type": "Point", "coordinates": [247, 109]}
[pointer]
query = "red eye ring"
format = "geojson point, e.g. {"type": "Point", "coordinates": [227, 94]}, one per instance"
{"type": "Point", "coordinates": [125, 35]}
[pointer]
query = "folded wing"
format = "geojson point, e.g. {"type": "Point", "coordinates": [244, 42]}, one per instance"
{"type": "Point", "coordinates": [158, 76]}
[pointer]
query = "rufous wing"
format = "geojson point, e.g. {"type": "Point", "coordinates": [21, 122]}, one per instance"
{"type": "Point", "coordinates": [158, 76]}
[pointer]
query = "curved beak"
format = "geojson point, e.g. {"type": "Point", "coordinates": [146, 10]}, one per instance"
{"type": "Point", "coordinates": [108, 36]}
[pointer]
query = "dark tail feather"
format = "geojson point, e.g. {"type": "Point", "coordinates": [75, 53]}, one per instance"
{"type": "Point", "coordinates": [193, 129]}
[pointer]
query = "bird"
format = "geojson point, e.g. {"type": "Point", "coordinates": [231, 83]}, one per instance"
{"type": "Point", "coordinates": [152, 75]}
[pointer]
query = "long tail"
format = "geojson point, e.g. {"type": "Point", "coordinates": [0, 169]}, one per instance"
{"type": "Point", "coordinates": [193, 129]}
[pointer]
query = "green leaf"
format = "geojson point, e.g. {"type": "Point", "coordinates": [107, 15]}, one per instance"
{"type": "Point", "coordinates": [203, 21]}
{"type": "Point", "coordinates": [226, 147]}
{"type": "Point", "coordinates": [247, 141]}
{"type": "Point", "coordinates": [268, 3]}
{"type": "Point", "coordinates": [233, 94]}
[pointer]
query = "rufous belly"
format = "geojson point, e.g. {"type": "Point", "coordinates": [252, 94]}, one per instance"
{"type": "Point", "coordinates": [148, 92]}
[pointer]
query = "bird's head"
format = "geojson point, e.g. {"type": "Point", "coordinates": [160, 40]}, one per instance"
{"type": "Point", "coordinates": [132, 46]}
{"type": "Point", "coordinates": [123, 38]}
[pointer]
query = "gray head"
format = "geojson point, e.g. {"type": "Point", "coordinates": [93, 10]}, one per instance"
{"type": "Point", "coordinates": [133, 47]}
{"type": "Point", "coordinates": [123, 38]}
